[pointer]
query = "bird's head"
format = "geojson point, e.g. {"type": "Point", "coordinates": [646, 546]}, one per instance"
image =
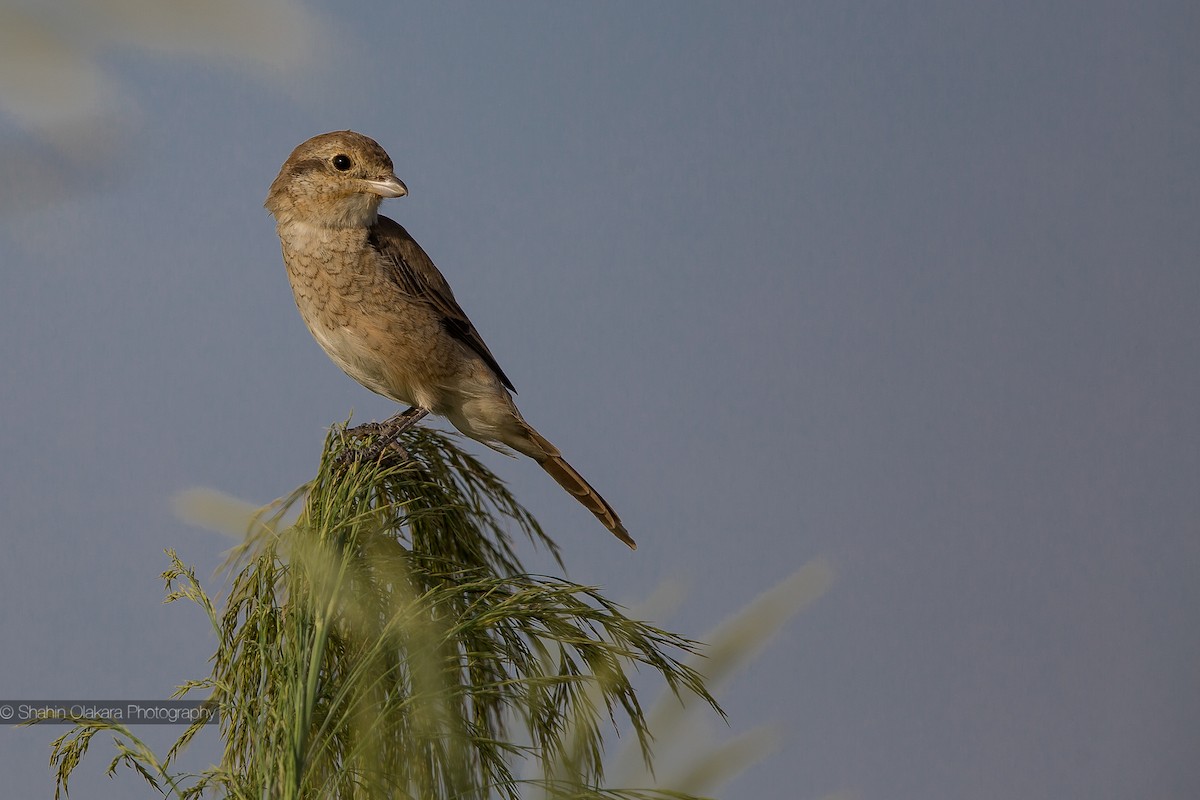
{"type": "Point", "coordinates": [335, 180]}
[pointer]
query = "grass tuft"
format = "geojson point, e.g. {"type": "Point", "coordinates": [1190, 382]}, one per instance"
{"type": "Point", "coordinates": [389, 644]}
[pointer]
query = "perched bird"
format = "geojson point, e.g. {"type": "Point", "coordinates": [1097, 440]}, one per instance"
{"type": "Point", "coordinates": [381, 310]}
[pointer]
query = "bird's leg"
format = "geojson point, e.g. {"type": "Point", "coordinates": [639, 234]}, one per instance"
{"type": "Point", "coordinates": [391, 430]}
{"type": "Point", "coordinates": [404, 420]}
{"type": "Point", "coordinates": [387, 432]}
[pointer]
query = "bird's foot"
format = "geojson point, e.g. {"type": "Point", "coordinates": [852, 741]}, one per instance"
{"type": "Point", "coordinates": [384, 435]}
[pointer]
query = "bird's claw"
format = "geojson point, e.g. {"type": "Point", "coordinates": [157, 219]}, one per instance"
{"type": "Point", "coordinates": [386, 445]}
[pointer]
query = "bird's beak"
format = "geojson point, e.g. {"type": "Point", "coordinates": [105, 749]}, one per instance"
{"type": "Point", "coordinates": [391, 186]}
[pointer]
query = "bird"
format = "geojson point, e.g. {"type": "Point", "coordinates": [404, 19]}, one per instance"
{"type": "Point", "coordinates": [375, 302]}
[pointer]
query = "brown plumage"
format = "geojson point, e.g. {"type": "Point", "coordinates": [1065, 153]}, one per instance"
{"type": "Point", "coordinates": [381, 310]}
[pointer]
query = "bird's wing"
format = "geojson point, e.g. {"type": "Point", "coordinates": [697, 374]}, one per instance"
{"type": "Point", "coordinates": [417, 276]}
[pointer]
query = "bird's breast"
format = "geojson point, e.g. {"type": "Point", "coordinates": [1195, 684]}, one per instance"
{"type": "Point", "coordinates": [379, 336]}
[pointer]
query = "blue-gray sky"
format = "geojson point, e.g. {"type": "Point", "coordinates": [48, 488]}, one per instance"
{"type": "Point", "coordinates": [913, 287]}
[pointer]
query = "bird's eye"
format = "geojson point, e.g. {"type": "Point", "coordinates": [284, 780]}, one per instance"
{"type": "Point", "coordinates": [341, 162]}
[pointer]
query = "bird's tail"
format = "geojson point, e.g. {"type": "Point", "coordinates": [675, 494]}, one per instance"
{"type": "Point", "coordinates": [566, 476]}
